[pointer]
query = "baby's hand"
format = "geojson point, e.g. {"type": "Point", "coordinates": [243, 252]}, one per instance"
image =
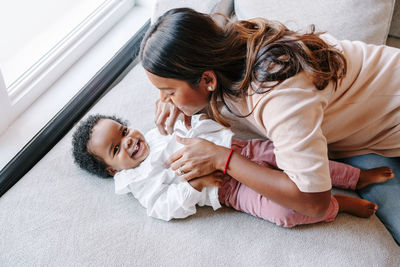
{"type": "Point", "coordinates": [213, 179]}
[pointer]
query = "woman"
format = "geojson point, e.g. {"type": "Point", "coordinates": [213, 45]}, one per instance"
{"type": "Point", "coordinates": [310, 94]}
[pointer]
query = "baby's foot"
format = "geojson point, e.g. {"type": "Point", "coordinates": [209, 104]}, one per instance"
{"type": "Point", "coordinates": [356, 206]}
{"type": "Point", "coordinates": [372, 176]}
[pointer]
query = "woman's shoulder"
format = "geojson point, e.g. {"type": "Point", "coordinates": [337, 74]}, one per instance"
{"type": "Point", "coordinates": [297, 87]}
{"type": "Point", "coordinates": [287, 96]}
{"type": "Point", "coordinates": [296, 97]}
{"type": "Point", "coordinates": [289, 99]}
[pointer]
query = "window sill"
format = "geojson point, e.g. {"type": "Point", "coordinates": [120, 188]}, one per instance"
{"type": "Point", "coordinates": [21, 131]}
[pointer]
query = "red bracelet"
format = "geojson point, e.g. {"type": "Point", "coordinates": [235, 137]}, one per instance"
{"type": "Point", "coordinates": [227, 160]}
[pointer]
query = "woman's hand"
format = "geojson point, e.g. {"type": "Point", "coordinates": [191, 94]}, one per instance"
{"type": "Point", "coordinates": [166, 116]}
{"type": "Point", "coordinates": [210, 180]}
{"type": "Point", "coordinates": [199, 157]}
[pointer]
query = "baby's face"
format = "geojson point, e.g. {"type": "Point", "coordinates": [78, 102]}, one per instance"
{"type": "Point", "coordinates": [120, 147]}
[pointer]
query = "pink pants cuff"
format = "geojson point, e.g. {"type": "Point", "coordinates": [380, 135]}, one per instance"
{"type": "Point", "coordinates": [343, 175]}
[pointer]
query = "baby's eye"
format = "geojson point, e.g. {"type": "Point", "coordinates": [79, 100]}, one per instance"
{"type": "Point", "coordinates": [124, 131]}
{"type": "Point", "coordinates": [116, 148]}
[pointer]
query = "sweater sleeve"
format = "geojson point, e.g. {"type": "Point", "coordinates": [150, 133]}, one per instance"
{"type": "Point", "coordinates": [168, 201]}
{"type": "Point", "coordinates": [292, 119]}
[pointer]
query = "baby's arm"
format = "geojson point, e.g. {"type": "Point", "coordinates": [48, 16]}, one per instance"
{"type": "Point", "coordinates": [168, 201]}
{"type": "Point", "coordinates": [173, 201]}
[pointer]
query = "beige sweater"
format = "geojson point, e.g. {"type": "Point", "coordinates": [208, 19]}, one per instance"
{"type": "Point", "coordinates": [361, 116]}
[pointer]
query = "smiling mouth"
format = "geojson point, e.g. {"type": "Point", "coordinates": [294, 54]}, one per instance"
{"type": "Point", "coordinates": [136, 148]}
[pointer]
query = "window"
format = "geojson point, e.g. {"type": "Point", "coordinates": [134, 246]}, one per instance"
{"type": "Point", "coordinates": [42, 40]}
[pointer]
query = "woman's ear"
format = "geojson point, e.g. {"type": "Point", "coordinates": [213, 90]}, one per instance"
{"type": "Point", "coordinates": [111, 171]}
{"type": "Point", "coordinates": [210, 80]}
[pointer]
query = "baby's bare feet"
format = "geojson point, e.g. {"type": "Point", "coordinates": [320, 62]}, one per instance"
{"type": "Point", "coordinates": [356, 206]}
{"type": "Point", "coordinates": [372, 176]}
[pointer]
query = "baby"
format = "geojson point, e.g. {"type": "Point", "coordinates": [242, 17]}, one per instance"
{"type": "Point", "coordinates": [105, 146]}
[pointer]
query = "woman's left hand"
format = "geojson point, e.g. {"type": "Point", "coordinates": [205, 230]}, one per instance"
{"type": "Point", "coordinates": [199, 157]}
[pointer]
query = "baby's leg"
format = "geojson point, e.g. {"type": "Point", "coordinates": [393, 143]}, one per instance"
{"type": "Point", "coordinates": [257, 150]}
{"type": "Point", "coordinates": [346, 176]}
{"type": "Point", "coordinates": [242, 198]}
{"type": "Point", "coordinates": [356, 206]}
{"type": "Point", "coordinates": [342, 175]}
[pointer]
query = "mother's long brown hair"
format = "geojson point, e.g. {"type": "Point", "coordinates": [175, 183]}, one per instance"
{"type": "Point", "coordinates": [183, 43]}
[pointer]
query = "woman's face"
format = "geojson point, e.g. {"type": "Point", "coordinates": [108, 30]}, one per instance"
{"type": "Point", "coordinates": [187, 99]}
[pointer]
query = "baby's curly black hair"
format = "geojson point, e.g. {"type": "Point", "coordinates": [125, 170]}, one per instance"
{"type": "Point", "coordinates": [80, 139]}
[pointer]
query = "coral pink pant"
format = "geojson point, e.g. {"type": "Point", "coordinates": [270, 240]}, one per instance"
{"type": "Point", "coordinates": [240, 197]}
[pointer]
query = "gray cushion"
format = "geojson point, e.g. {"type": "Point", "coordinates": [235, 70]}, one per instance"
{"type": "Point", "coordinates": [365, 20]}
{"type": "Point", "coordinates": [395, 26]}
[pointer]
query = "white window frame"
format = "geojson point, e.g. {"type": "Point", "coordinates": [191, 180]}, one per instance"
{"type": "Point", "coordinates": [5, 105]}
{"type": "Point", "coordinates": [31, 84]}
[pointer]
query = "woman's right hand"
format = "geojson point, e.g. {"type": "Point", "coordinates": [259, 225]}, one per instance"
{"type": "Point", "coordinates": [166, 116]}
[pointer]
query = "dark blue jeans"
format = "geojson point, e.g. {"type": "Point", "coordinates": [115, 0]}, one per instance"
{"type": "Point", "coordinates": [387, 194]}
